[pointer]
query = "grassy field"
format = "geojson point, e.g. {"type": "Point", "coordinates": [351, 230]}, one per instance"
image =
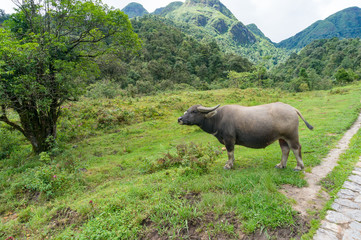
{"type": "Point", "coordinates": [124, 169]}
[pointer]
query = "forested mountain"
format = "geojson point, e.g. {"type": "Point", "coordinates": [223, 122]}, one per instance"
{"type": "Point", "coordinates": [215, 19]}
{"type": "Point", "coordinates": [134, 10]}
{"type": "Point", "coordinates": [170, 7]}
{"type": "Point", "coordinates": [343, 24]}
{"type": "Point", "coordinates": [255, 30]}
{"type": "Point", "coordinates": [210, 20]}
{"type": "Point", "coordinates": [321, 64]}
{"type": "Point", "coordinates": [170, 59]}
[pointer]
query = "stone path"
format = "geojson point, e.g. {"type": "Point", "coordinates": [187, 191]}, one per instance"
{"type": "Point", "coordinates": [344, 220]}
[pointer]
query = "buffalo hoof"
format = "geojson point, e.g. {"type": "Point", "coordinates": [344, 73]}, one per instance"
{"type": "Point", "coordinates": [227, 167]}
{"type": "Point", "coordinates": [297, 169]}
{"type": "Point", "coordinates": [279, 166]}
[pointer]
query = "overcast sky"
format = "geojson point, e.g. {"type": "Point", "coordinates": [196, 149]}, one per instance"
{"type": "Point", "coordinates": [277, 19]}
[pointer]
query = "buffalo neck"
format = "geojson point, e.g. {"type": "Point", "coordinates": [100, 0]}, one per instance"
{"type": "Point", "coordinates": [209, 125]}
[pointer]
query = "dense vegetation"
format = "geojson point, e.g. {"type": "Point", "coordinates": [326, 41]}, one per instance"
{"type": "Point", "coordinates": [169, 59]}
{"type": "Point", "coordinates": [119, 166]}
{"type": "Point", "coordinates": [45, 60]}
{"type": "Point", "coordinates": [343, 24]}
{"type": "Point", "coordinates": [124, 169]}
{"type": "Point", "coordinates": [212, 21]}
{"type": "Point", "coordinates": [134, 10]}
{"type": "Point", "coordinates": [3, 16]}
{"type": "Point", "coordinates": [321, 65]}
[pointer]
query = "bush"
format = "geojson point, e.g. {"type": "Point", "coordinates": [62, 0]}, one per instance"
{"type": "Point", "coordinates": [8, 143]}
{"type": "Point", "coordinates": [104, 89]}
{"type": "Point", "coordinates": [194, 158]}
{"type": "Point", "coordinates": [45, 181]}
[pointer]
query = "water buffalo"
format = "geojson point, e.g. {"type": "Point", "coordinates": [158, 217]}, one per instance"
{"type": "Point", "coordinates": [253, 127]}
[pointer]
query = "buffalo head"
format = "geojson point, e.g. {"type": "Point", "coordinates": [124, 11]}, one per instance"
{"type": "Point", "coordinates": [196, 114]}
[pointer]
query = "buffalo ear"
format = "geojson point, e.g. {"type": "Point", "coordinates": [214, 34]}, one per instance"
{"type": "Point", "coordinates": [211, 114]}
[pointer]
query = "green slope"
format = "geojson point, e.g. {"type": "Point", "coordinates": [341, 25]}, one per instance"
{"type": "Point", "coordinates": [343, 24]}
{"type": "Point", "coordinates": [211, 20]}
{"type": "Point", "coordinates": [134, 10]}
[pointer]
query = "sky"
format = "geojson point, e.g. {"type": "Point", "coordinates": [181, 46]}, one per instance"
{"type": "Point", "coordinates": [277, 19]}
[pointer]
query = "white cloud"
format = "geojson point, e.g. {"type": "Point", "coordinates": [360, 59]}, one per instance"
{"type": "Point", "coordinates": [277, 19]}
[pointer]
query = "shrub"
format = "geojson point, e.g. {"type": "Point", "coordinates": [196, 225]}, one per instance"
{"type": "Point", "coordinates": [194, 158]}
{"type": "Point", "coordinates": [45, 181]}
{"type": "Point", "coordinates": [8, 143]}
{"type": "Point", "coordinates": [104, 89]}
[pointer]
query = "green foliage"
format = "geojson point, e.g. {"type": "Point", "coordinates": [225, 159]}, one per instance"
{"type": "Point", "coordinates": [134, 9]}
{"type": "Point", "coordinates": [46, 59]}
{"type": "Point", "coordinates": [46, 180]}
{"type": "Point", "coordinates": [103, 225]}
{"type": "Point", "coordinates": [8, 143]}
{"type": "Point", "coordinates": [187, 193]}
{"type": "Point", "coordinates": [3, 16]}
{"type": "Point", "coordinates": [195, 159]}
{"type": "Point", "coordinates": [320, 65]}
{"type": "Point", "coordinates": [342, 76]}
{"type": "Point", "coordinates": [211, 20]}
{"type": "Point", "coordinates": [343, 24]}
{"type": "Point", "coordinates": [169, 60]}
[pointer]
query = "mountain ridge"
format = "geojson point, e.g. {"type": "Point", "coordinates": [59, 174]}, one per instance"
{"type": "Point", "coordinates": [134, 9]}
{"type": "Point", "coordinates": [345, 23]}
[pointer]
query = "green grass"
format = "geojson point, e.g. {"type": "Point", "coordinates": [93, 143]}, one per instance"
{"type": "Point", "coordinates": [333, 182]}
{"type": "Point", "coordinates": [114, 184]}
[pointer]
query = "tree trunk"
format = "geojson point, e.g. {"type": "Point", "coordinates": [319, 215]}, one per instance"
{"type": "Point", "coordinates": [39, 127]}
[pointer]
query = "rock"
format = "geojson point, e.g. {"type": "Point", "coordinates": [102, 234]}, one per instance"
{"type": "Point", "coordinates": [356, 226]}
{"type": "Point", "coordinates": [353, 214]}
{"type": "Point", "coordinates": [323, 234]}
{"type": "Point", "coordinates": [355, 178]}
{"type": "Point", "coordinates": [201, 20]}
{"type": "Point", "coordinates": [358, 199]}
{"type": "Point", "coordinates": [351, 234]}
{"type": "Point", "coordinates": [337, 207]}
{"type": "Point", "coordinates": [346, 193]}
{"type": "Point", "coordinates": [348, 203]}
{"type": "Point", "coordinates": [331, 226]}
{"type": "Point", "coordinates": [241, 35]}
{"type": "Point", "coordinates": [220, 25]}
{"type": "Point", "coordinates": [336, 217]}
{"type": "Point", "coordinates": [352, 186]}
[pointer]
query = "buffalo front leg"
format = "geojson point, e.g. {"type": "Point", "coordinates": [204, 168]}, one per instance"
{"type": "Point", "coordinates": [230, 152]}
{"type": "Point", "coordinates": [285, 152]}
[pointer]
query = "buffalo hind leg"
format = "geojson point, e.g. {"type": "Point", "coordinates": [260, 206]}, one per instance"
{"type": "Point", "coordinates": [296, 148]}
{"type": "Point", "coordinates": [230, 152]}
{"type": "Point", "coordinates": [285, 152]}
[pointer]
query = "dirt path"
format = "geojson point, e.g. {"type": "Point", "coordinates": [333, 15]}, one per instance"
{"type": "Point", "coordinates": [313, 197]}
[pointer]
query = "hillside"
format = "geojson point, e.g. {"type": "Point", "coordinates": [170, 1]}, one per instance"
{"type": "Point", "coordinates": [169, 60]}
{"type": "Point", "coordinates": [322, 63]}
{"type": "Point", "coordinates": [343, 24]}
{"type": "Point", "coordinates": [134, 10]}
{"type": "Point", "coordinates": [256, 31]}
{"type": "Point", "coordinates": [169, 8]}
{"type": "Point", "coordinates": [211, 20]}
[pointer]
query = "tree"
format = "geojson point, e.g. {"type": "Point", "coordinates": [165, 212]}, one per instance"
{"type": "Point", "coordinates": [47, 49]}
{"type": "Point", "coordinates": [343, 76]}
{"type": "Point", "coordinates": [3, 16]}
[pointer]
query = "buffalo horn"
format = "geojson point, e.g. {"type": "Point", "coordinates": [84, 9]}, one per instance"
{"type": "Point", "coordinates": [206, 109]}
